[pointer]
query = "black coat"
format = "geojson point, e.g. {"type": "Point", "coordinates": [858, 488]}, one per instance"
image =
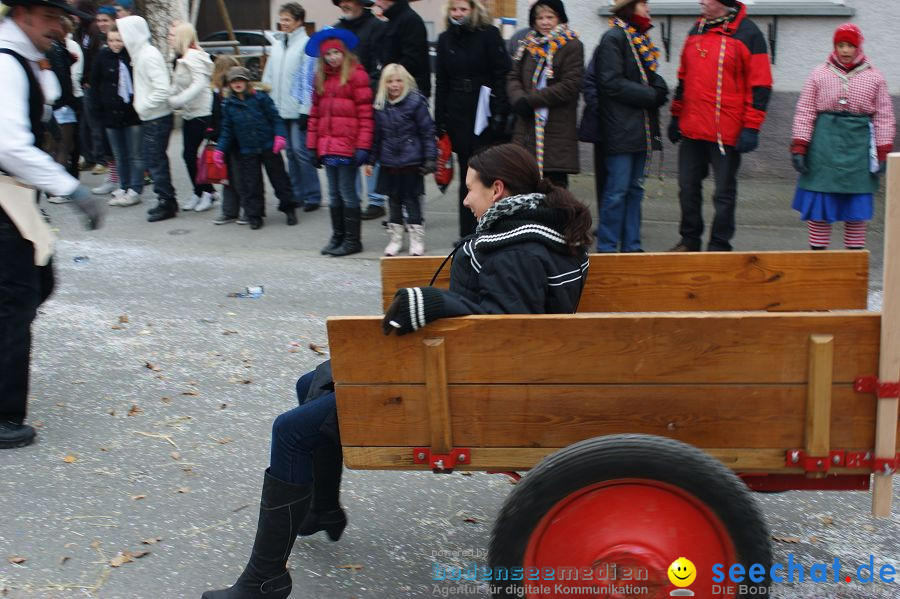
{"type": "Point", "coordinates": [404, 133]}
{"type": "Point", "coordinates": [516, 268]}
{"type": "Point", "coordinates": [61, 62]}
{"type": "Point", "coordinates": [369, 29]}
{"type": "Point", "coordinates": [114, 112]}
{"type": "Point", "coordinates": [405, 42]}
{"type": "Point", "coordinates": [466, 60]}
{"type": "Point", "coordinates": [624, 101]}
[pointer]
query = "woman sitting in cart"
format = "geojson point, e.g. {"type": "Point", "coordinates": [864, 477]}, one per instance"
{"type": "Point", "coordinates": [528, 256]}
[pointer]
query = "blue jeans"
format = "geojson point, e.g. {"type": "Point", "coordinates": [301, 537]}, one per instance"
{"type": "Point", "coordinates": [375, 199]}
{"type": "Point", "coordinates": [296, 434]}
{"type": "Point", "coordinates": [155, 142]}
{"type": "Point", "coordinates": [126, 147]}
{"type": "Point", "coordinates": [620, 211]}
{"type": "Point", "coordinates": [342, 186]}
{"type": "Point", "coordinates": [304, 177]}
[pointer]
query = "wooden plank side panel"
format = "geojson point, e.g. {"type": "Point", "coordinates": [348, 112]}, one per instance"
{"type": "Point", "coordinates": [775, 281]}
{"type": "Point", "coordinates": [754, 417]}
{"type": "Point", "coordinates": [733, 348]}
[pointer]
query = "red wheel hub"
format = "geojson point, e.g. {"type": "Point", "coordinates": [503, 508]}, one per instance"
{"type": "Point", "coordinates": [621, 536]}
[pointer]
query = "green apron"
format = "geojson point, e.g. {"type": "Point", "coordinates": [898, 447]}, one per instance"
{"type": "Point", "coordinates": [839, 155]}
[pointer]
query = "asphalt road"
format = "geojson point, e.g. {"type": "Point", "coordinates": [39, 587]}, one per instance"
{"type": "Point", "coordinates": [154, 392]}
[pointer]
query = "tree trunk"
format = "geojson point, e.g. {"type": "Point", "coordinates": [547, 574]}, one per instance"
{"type": "Point", "coordinates": [160, 14]}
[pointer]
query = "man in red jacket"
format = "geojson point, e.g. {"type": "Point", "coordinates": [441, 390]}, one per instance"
{"type": "Point", "coordinates": [724, 85]}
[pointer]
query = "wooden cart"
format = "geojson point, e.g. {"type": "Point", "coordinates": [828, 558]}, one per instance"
{"type": "Point", "coordinates": [684, 381]}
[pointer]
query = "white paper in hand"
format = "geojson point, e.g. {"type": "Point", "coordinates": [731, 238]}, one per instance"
{"type": "Point", "coordinates": [483, 111]}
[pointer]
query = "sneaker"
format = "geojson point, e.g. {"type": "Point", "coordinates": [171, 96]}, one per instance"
{"type": "Point", "coordinates": [104, 188]}
{"type": "Point", "coordinates": [206, 202]}
{"type": "Point", "coordinates": [242, 221]}
{"type": "Point", "coordinates": [130, 198]}
{"type": "Point", "coordinates": [191, 203]}
{"type": "Point", "coordinates": [223, 220]}
{"type": "Point", "coordinates": [14, 435]}
{"type": "Point", "coordinates": [99, 169]}
{"type": "Point", "coordinates": [59, 199]}
{"type": "Point", "coordinates": [372, 212]}
{"type": "Point", "coordinates": [116, 198]}
{"type": "Point", "coordinates": [85, 166]}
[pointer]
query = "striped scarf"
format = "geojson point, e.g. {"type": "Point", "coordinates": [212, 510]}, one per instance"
{"type": "Point", "coordinates": [705, 24]}
{"type": "Point", "coordinates": [645, 47]}
{"type": "Point", "coordinates": [543, 48]}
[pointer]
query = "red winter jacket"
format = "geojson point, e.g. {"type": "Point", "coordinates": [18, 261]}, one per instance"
{"type": "Point", "coordinates": [340, 121]}
{"type": "Point", "coordinates": [746, 80]}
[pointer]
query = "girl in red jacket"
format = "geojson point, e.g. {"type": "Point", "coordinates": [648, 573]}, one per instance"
{"type": "Point", "coordinates": [340, 131]}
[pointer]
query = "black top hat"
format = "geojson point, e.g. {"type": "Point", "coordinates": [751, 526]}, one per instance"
{"type": "Point", "coordinates": [60, 4]}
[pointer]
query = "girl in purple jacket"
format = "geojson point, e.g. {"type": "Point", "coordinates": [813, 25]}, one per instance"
{"type": "Point", "coordinates": [405, 146]}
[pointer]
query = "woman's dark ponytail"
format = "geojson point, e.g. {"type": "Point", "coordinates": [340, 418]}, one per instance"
{"type": "Point", "coordinates": [518, 169]}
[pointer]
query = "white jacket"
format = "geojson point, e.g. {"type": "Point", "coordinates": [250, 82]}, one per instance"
{"type": "Point", "coordinates": [18, 155]}
{"type": "Point", "coordinates": [151, 77]}
{"type": "Point", "coordinates": [77, 68]}
{"type": "Point", "coordinates": [281, 67]}
{"type": "Point", "coordinates": [191, 92]}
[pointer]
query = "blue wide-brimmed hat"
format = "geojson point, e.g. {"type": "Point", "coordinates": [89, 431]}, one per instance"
{"type": "Point", "coordinates": [329, 33]}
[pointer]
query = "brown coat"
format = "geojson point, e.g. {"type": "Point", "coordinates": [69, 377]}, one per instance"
{"type": "Point", "coordinates": [561, 96]}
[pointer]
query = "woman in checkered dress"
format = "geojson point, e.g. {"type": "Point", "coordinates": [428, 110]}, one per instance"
{"type": "Point", "coordinates": [843, 131]}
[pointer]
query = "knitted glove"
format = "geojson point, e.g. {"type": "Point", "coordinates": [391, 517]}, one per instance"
{"type": "Point", "coordinates": [748, 141]}
{"type": "Point", "coordinates": [674, 131]}
{"type": "Point", "coordinates": [90, 205]}
{"type": "Point", "coordinates": [412, 309]}
{"type": "Point", "coordinates": [219, 157]}
{"type": "Point", "coordinates": [799, 161]}
{"type": "Point", "coordinates": [317, 161]}
{"type": "Point", "coordinates": [360, 157]}
{"type": "Point", "coordinates": [279, 144]}
{"type": "Point", "coordinates": [523, 108]}
{"type": "Point", "coordinates": [428, 167]}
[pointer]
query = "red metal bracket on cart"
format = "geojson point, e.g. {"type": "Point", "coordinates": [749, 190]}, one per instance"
{"type": "Point", "coordinates": [798, 458]}
{"type": "Point", "coordinates": [442, 462]}
{"type": "Point", "coordinates": [871, 384]}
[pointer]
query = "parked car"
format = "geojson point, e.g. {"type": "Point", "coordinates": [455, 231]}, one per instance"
{"type": "Point", "coordinates": [254, 45]}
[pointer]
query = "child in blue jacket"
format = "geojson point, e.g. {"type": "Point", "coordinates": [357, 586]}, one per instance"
{"type": "Point", "coordinates": [251, 124]}
{"type": "Point", "coordinates": [406, 148]}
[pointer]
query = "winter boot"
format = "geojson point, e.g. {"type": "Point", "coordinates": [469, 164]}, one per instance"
{"type": "Point", "coordinates": [337, 229]}
{"type": "Point", "coordinates": [395, 232]}
{"type": "Point", "coordinates": [281, 510]}
{"type": "Point", "coordinates": [417, 240]}
{"type": "Point", "coordinates": [165, 209]}
{"type": "Point", "coordinates": [352, 226]}
{"type": "Point", "coordinates": [325, 512]}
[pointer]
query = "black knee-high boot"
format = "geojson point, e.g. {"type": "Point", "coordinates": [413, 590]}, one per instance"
{"type": "Point", "coordinates": [337, 228]}
{"type": "Point", "coordinates": [282, 508]}
{"type": "Point", "coordinates": [326, 513]}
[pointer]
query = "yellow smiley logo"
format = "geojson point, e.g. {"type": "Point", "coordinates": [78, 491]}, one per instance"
{"type": "Point", "coordinates": [682, 572]}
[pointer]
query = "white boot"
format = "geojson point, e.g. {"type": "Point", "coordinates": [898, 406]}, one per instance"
{"type": "Point", "coordinates": [416, 240]}
{"type": "Point", "coordinates": [206, 202]}
{"type": "Point", "coordinates": [191, 203]}
{"type": "Point", "coordinates": [395, 231]}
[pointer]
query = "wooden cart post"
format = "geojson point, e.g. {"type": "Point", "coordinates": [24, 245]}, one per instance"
{"type": "Point", "coordinates": [889, 360]}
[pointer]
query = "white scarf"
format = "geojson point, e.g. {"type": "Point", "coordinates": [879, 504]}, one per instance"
{"type": "Point", "coordinates": [126, 88]}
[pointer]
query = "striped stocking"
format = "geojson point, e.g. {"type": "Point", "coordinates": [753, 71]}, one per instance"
{"type": "Point", "coordinates": [855, 234]}
{"type": "Point", "coordinates": [819, 234]}
{"type": "Point", "coordinates": [113, 172]}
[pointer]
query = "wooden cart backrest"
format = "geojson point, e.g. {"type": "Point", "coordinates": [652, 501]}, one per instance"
{"type": "Point", "coordinates": [745, 386]}
{"type": "Point", "coordinates": [772, 281]}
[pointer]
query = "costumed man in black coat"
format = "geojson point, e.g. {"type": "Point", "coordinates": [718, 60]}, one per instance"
{"type": "Point", "coordinates": [470, 54]}
{"type": "Point", "coordinates": [629, 94]}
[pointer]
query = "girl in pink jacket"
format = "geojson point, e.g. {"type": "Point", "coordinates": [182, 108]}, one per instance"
{"type": "Point", "coordinates": [340, 131]}
{"type": "Point", "coordinates": [843, 131]}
